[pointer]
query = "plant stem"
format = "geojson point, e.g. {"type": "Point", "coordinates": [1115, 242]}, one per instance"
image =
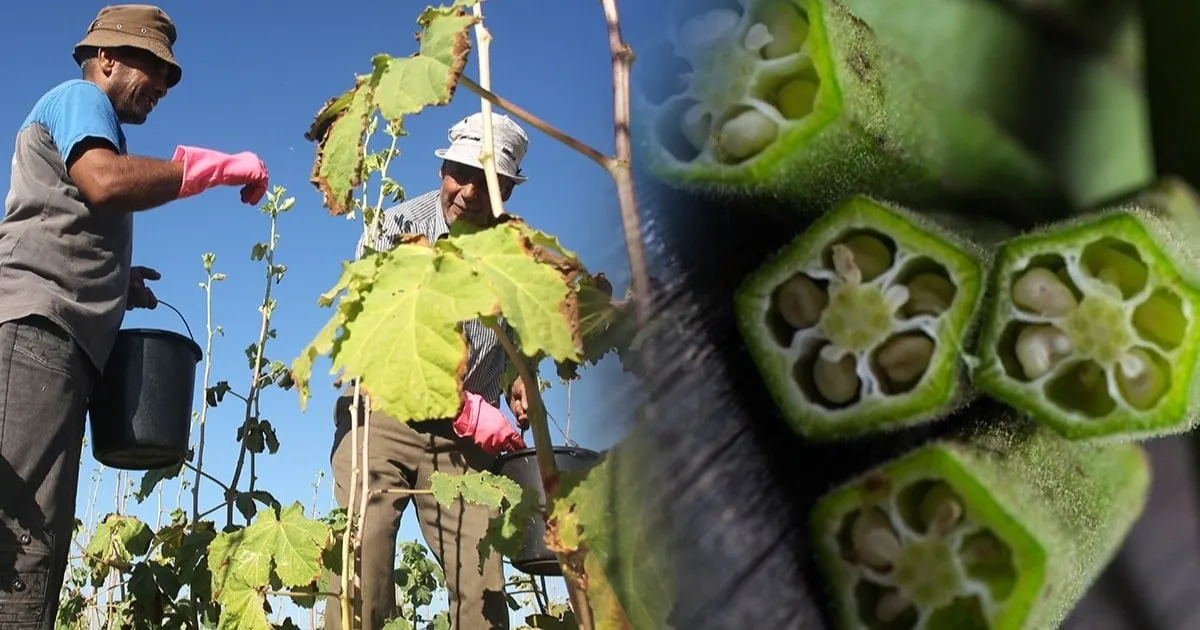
{"type": "Point", "coordinates": [200, 423]}
{"type": "Point", "coordinates": [407, 491]}
{"type": "Point", "coordinates": [621, 169]}
{"type": "Point", "coordinates": [488, 157]}
{"type": "Point", "coordinates": [549, 474]}
{"type": "Point", "coordinates": [537, 416]}
{"type": "Point", "coordinates": [347, 556]}
{"type": "Point", "coordinates": [256, 377]}
{"type": "Point", "coordinates": [535, 122]}
{"type": "Point", "coordinates": [207, 476]}
{"type": "Point", "coordinates": [299, 595]}
{"type": "Point", "coordinates": [364, 481]}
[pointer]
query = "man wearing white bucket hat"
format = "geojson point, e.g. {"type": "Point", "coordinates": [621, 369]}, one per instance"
{"type": "Point", "coordinates": [403, 455]}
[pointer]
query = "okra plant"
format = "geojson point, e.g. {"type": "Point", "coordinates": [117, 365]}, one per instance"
{"type": "Point", "coordinates": [557, 308]}
{"type": "Point", "coordinates": [858, 325]}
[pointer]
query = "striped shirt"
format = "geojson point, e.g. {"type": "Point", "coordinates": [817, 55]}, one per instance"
{"type": "Point", "coordinates": [486, 361]}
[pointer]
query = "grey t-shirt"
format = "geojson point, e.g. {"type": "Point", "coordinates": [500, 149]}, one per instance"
{"type": "Point", "coordinates": [59, 257]}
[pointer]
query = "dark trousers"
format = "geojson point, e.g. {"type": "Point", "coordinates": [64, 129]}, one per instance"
{"type": "Point", "coordinates": [404, 455]}
{"type": "Point", "coordinates": [45, 381]}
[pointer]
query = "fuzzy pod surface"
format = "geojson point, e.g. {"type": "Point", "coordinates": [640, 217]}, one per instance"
{"type": "Point", "coordinates": [799, 100]}
{"type": "Point", "coordinates": [1091, 325]}
{"type": "Point", "coordinates": [859, 325]}
{"type": "Point", "coordinates": [1085, 115]}
{"type": "Point", "coordinates": [1002, 529]}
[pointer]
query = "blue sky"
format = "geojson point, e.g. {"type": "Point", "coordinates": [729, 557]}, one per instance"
{"type": "Point", "coordinates": [253, 78]}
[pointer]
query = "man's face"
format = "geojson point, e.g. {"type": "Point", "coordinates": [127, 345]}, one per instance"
{"type": "Point", "coordinates": [135, 81]}
{"type": "Point", "coordinates": [465, 194]}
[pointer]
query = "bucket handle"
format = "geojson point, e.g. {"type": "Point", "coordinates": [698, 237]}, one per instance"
{"type": "Point", "coordinates": [181, 318]}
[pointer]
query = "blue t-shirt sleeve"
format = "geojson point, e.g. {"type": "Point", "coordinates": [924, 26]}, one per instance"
{"type": "Point", "coordinates": [78, 111]}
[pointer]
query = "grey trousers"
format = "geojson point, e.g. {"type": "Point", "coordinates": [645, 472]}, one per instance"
{"type": "Point", "coordinates": [403, 456]}
{"type": "Point", "coordinates": [45, 381]}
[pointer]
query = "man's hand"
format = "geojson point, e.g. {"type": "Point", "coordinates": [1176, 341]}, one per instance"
{"type": "Point", "coordinates": [140, 295]}
{"type": "Point", "coordinates": [205, 168]}
{"type": "Point", "coordinates": [519, 403]}
{"type": "Point", "coordinates": [486, 426]}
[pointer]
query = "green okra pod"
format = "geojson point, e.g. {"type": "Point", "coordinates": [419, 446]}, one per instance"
{"type": "Point", "coordinates": [1004, 529]}
{"type": "Point", "coordinates": [1092, 326]}
{"type": "Point", "coordinates": [1084, 115]}
{"type": "Point", "coordinates": [798, 99]}
{"type": "Point", "coordinates": [859, 324]}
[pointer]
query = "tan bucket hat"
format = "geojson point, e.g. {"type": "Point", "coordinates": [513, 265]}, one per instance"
{"type": "Point", "coordinates": [143, 26]}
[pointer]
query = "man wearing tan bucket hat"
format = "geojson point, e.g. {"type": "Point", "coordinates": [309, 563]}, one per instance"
{"type": "Point", "coordinates": [403, 455]}
{"type": "Point", "coordinates": [66, 279]}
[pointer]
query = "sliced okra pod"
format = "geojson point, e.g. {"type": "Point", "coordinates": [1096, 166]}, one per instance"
{"type": "Point", "coordinates": [1005, 529]}
{"type": "Point", "coordinates": [798, 98]}
{"type": "Point", "coordinates": [1091, 326]}
{"type": "Point", "coordinates": [859, 324]}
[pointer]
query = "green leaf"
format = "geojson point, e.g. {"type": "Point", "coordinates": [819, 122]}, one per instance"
{"type": "Point", "coordinates": [152, 478]}
{"type": "Point", "coordinates": [356, 280]}
{"type": "Point", "coordinates": [506, 533]}
{"type": "Point", "coordinates": [243, 606]}
{"type": "Point", "coordinates": [406, 337]}
{"type": "Point", "coordinates": [409, 84]}
{"type": "Point", "coordinates": [482, 487]}
{"type": "Point", "coordinates": [338, 167]}
{"type": "Point", "coordinates": [533, 296]}
{"type": "Point", "coordinates": [116, 542]}
{"type": "Point", "coordinates": [242, 561]}
{"type": "Point", "coordinates": [602, 513]}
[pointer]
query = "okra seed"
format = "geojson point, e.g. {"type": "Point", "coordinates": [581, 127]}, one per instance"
{"type": "Point", "coordinates": [1161, 320]}
{"type": "Point", "coordinates": [1117, 264]}
{"type": "Point", "coordinates": [874, 540]}
{"type": "Point", "coordinates": [788, 27]}
{"type": "Point", "coordinates": [929, 294]}
{"type": "Point", "coordinates": [702, 31]}
{"type": "Point", "coordinates": [1039, 349]}
{"type": "Point", "coordinates": [836, 381]}
{"type": "Point", "coordinates": [796, 98]}
{"type": "Point", "coordinates": [904, 358]}
{"type": "Point", "coordinates": [697, 125]}
{"type": "Point", "coordinates": [891, 606]}
{"type": "Point", "coordinates": [746, 135]}
{"type": "Point", "coordinates": [870, 255]}
{"type": "Point", "coordinates": [1041, 291]}
{"type": "Point", "coordinates": [1144, 385]}
{"type": "Point", "coordinates": [801, 301]}
{"type": "Point", "coordinates": [757, 37]}
{"type": "Point", "coordinates": [940, 509]}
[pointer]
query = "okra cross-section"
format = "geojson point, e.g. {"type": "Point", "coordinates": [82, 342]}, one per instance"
{"type": "Point", "coordinates": [754, 79]}
{"type": "Point", "coordinates": [799, 99]}
{"type": "Point", "coordinates": [858, 325]}
{"type": "Point", "coordinates": [1001, 533]}
{"type": "Point", "coordinates": [1092, 328]}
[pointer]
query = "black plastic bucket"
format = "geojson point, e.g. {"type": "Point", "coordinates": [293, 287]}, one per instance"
{"type": "Point", "coordinates": [141, 409]}
{"type": "Point", "coordinates": [522, 467]}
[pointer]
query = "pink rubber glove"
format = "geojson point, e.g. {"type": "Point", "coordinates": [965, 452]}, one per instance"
{"type": "Point", "coordinates": [205, 168]}
{"type": "Point", "coordinates": [487, 426]}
